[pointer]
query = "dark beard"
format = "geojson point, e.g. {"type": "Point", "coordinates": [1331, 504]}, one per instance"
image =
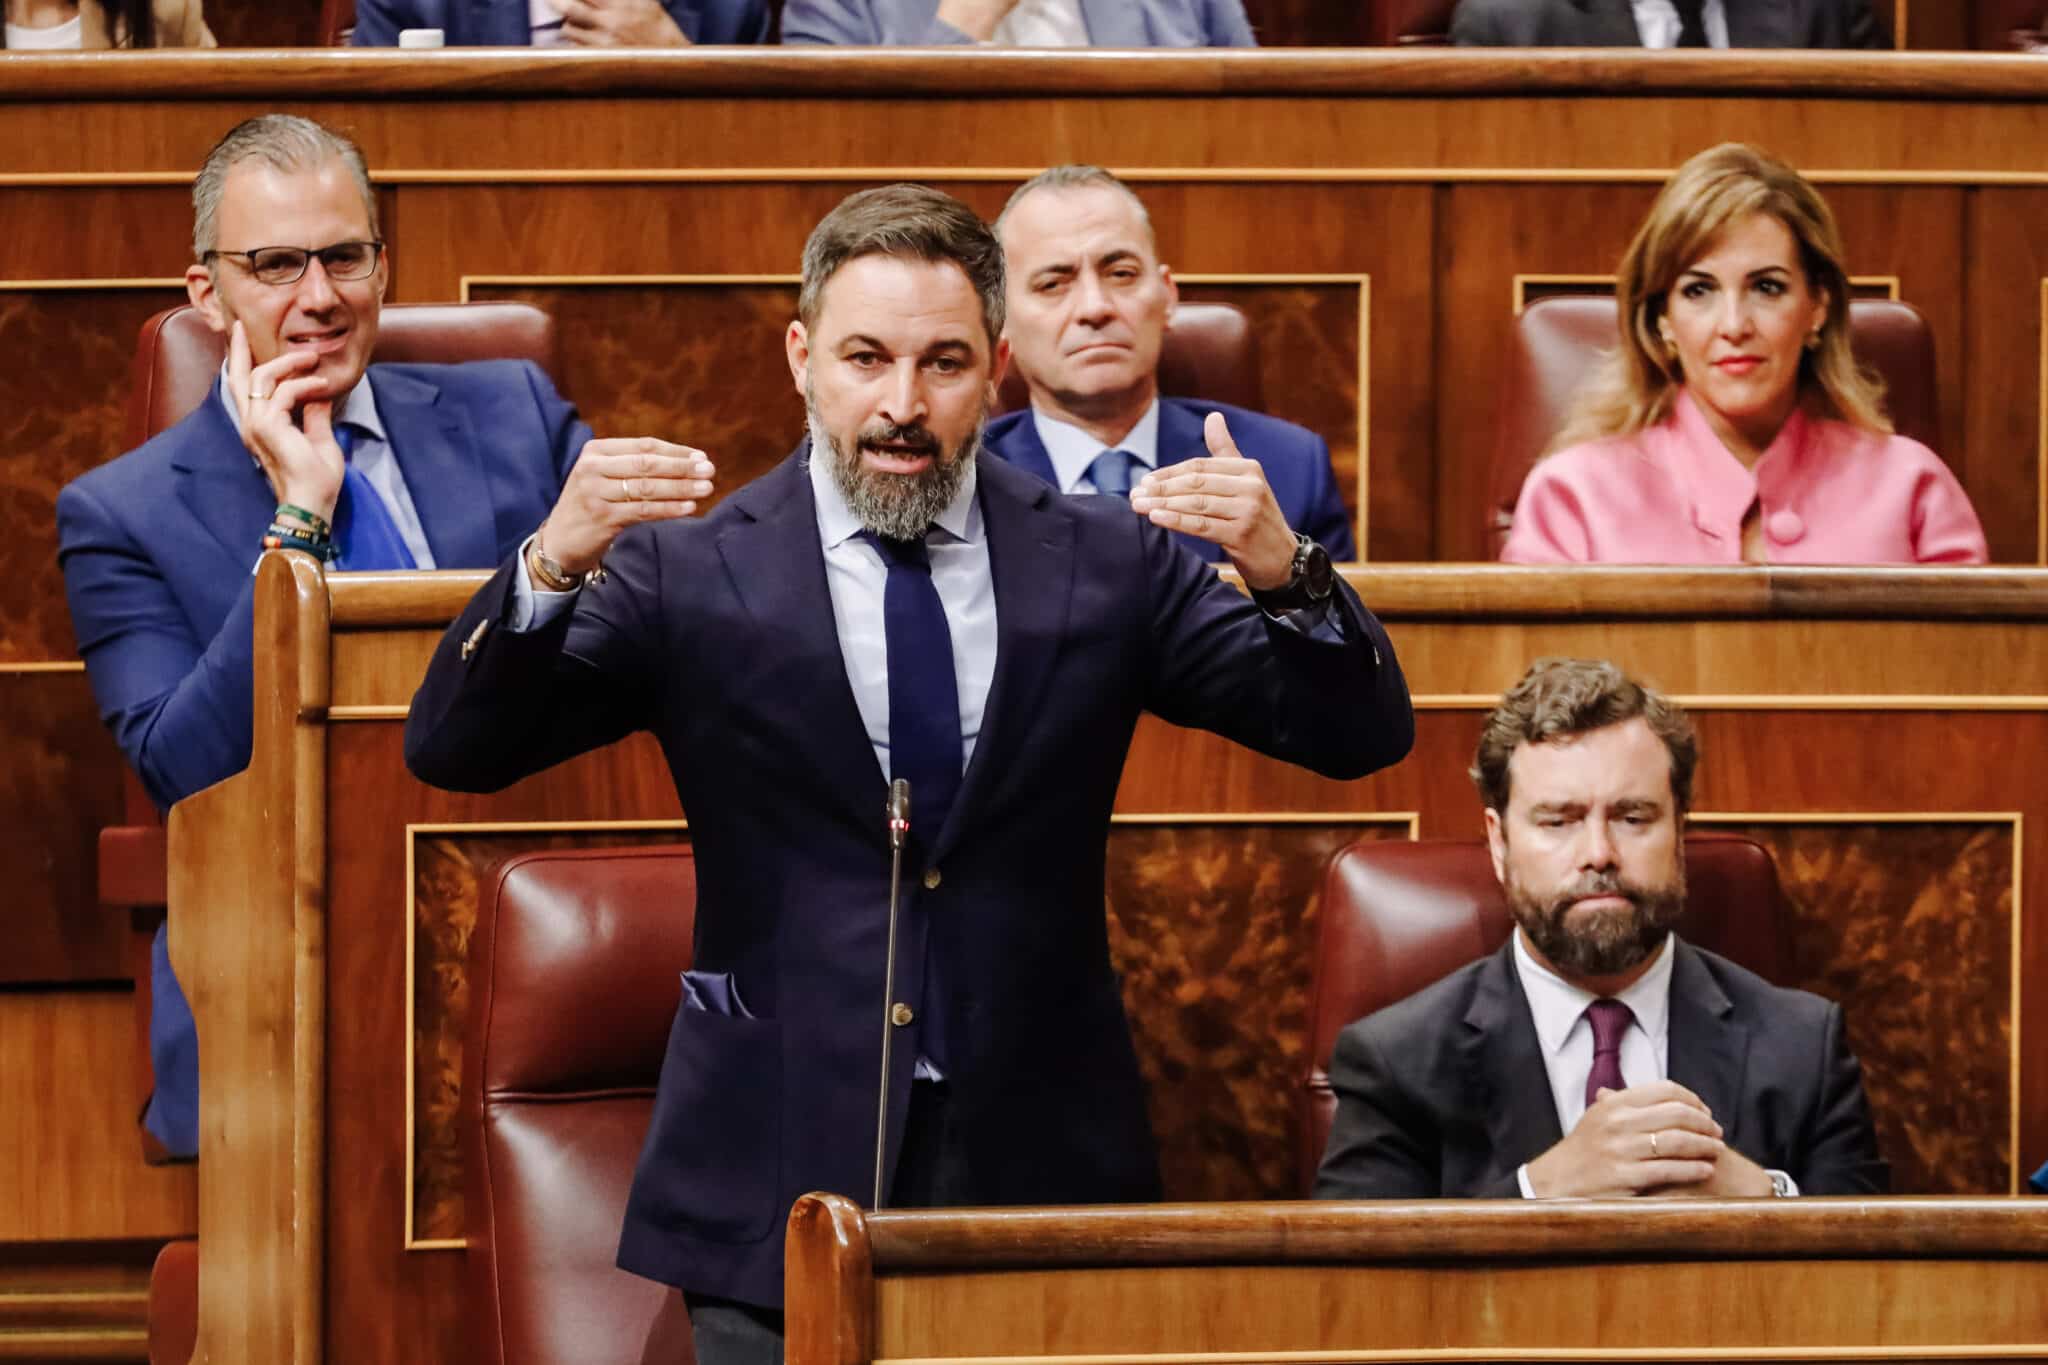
{"type": "Point", "coordinates": [895, 506]}
{"type": "Point", "coordinates": [1604, 945]}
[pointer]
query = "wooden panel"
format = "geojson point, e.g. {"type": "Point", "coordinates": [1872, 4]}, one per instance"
{"type": "Point", "coordinates": [60, 783]}
{"type": "Point", "coordinates": [75, 1301]}
{"type": "Point", "coordinates": [70, 1154]}
{"type": "Point", "coordinates": [59, 417]}
{"type": "Point", "coordinates": [2005, 283]}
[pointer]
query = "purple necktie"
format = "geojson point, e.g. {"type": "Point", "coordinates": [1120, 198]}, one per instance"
{"type": "Point", "coordinates": [1610, 1019]}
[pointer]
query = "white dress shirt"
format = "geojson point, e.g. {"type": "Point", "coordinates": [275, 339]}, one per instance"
{"type": "Point", "coordinates": [373, 458]}
{"type": "Point", "coordinates": [68, 36]}
{"type": "Point", "coordinates": [1042, 23]}
{"type": "Point", "coordinates": [544, 24]}
{"type": "Point", "coordinates": [1658, 24]}
{"type": "Point", "coordinates": [1072, 450]}
{"type": "Point", "coordinates": [1565, 1036]}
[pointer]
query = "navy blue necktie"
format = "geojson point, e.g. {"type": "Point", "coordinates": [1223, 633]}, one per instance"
{"type": "Point", "coordinates": [1111, 472]}
{"type": "Point", "coordinates": [925, 747]}
{"type": "Point", "coordinates": [1692, 23]}
{"type": "Point", "coordinates": [924, 698]}
{"type": "Point", "coordinates": [364, 533]}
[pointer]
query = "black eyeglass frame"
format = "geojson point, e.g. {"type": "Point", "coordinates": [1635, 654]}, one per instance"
{"type": "Point", "coordinates": [306, 254]}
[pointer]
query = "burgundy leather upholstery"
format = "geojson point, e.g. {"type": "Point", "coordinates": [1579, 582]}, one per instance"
{"type": "Point", "coordinates": [337, 22]}
{"type": "Point", "coordinates": [1557, 341]}
{"type": "Point", "coordinates": [1398, 916]}
{"type": "Point", "coordinates": [574, 979]}
{"type": "Point", "coordinates": [177, 355]}
{"type": "Point", "coordinates": [174, 1304]}
{"type": "Point", "coordinates": [1210, 352]}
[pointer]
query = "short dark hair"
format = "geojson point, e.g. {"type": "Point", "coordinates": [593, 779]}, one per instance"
{"type": "Point", "coordinates": [904, 220]}
{"type": "Point", "coordinates": [284, 142]}
{"type": "Point", "coordinates": [1560, 697]}
{"type": "Point", "coordinates": [1072, 176]}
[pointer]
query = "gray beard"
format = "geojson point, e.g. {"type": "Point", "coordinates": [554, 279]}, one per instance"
{"type": "Point", "coordinates": [894, 506]}
{"type": "Point", "coordinates": [1606, 946]}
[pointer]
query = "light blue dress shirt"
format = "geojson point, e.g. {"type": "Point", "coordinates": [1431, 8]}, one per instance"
{"type": "Point", "coordinates": [372, 456]}
{"type": "Point", "coordinates": [1072, 450]}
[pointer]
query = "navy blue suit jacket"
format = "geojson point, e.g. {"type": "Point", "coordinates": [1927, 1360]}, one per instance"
{"type": "Point", "coordinates": [718, 636]}
{"type": "Point", "coordinates": [1446, 1094]}
{"type": "Point", "coordinates": [157, 546]}
{"type": "Point", "coordinates": [1296, 462]}
{"type": "Point", "coordinates": [506, 23]}
{"type": "Point", "coordinates": [1110, 23]}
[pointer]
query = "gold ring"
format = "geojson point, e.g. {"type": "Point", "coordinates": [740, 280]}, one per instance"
{"type": "Point", "coordinates": [256, 397]}
{"type": "Point", "coordinates": [1653, 1147]}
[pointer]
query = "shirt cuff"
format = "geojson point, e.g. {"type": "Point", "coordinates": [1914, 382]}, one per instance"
{"type": "Point", "coordinates": [1791, 1185]}
{"type": "Point", "coordinates": [1319, 622]}
{"type": "Point", "coordinates": [534, 607]}
{"type": "Point", "coordinates": [1522, 1181]}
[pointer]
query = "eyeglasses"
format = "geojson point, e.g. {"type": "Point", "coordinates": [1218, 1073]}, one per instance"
{"type": "Point", "coordinates": [285, 264]}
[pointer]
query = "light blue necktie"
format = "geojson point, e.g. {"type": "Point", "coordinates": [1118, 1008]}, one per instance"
{"type": "Point", "coordinates": [364, 532]}
{"type": "Point", "coordinates": [1111, 472]}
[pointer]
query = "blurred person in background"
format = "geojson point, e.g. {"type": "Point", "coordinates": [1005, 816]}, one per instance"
{"type": "Point", "coordinates": [564, 23]}
{"type": "Point", "coordinates": [89, 25]}
{"type": "Point", "coordinates": [1019, 23]}
{"type": "Point", "coordinates": [1667, 23]}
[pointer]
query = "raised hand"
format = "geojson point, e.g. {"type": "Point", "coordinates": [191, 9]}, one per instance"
{"type": "Point", "coordinates": [287, 424]}
{"type": "Point", "coordinates": [1648, 1137]}
{"type": "Point", "coordinates": [1223, 498]}
{"type": "Point", "coordinates": [619, 23]}
{"type": "Point", "coordinates": [617, 483]}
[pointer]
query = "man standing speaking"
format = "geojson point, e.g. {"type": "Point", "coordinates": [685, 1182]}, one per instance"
{"type": "Point", "coordinates": [889, 603]}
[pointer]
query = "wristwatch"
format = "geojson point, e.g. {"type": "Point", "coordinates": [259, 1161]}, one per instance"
{"type": "Point", "coordinates": [550, 575]}
{"type": "Point", "coordinates": [1309, 584]}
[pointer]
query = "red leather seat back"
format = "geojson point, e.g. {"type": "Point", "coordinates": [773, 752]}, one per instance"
{"type": "Point", "coordinates": [177, 355]}
{"type": "Point", "coordinates": [574, 980]}
{"type": "Point", "coordinates": [1209, 352]}
{"type": "Point", "coordinates": [174, 1303]}
{"type": "Point", "coordinates": [1558, 341]}
{"type": "Point", "coordinates": [1399, 916]}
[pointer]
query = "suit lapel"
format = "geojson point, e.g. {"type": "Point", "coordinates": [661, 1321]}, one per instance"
{"type": "Point", "coordinates": [777, 569]}
{"type": "Point", "coordinates": [223, 485]}
{"type": "Point", "coordinates": [1022, 448]}
{"type": "Point", "coordinates": [1504, 1066]}
{"type": "Point", "coordinates": [1030, 559]}
{"type": "Point", "coordinates": [1708, 1051]}
{"type": "Point", "coordinates": [1115, 23]}
{"type": "Point", "coordinates": [443, 469]}
{"type": "Point", "coordinates": [1180, 433]}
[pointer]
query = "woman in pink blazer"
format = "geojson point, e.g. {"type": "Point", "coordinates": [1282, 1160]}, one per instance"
{"type": "Point", "coordinates": [1733, 423]}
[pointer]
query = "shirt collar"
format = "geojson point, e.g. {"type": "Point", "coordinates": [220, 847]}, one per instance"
{"type": "Point", "coordinates": [1556, 1005]}
{"type": "Point", "coordinates": [358, 406]}
{"type": "Point", "coordinates": [1072, 450]}
{"type": "Point", "coordinates": [960, 519]}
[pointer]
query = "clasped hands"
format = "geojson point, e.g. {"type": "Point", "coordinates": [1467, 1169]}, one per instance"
{"type": "Point", "coordinates": [618, 23]}
{"type": "Point", "coordinates": [1223, 498]}
{"type": "Point", "coordinates": [1657, 1140]}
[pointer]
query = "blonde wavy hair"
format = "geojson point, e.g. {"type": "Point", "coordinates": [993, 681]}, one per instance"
{"type": "Point", "coordinates": [1636, 383]}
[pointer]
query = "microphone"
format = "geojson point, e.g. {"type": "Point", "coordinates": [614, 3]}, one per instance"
{"type": "Point", "coordinates": [897, 814]}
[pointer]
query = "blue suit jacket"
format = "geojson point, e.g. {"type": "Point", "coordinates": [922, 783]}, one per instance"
{"type": "Point", "coordinates": [718, 636]}
{"type": "Point", "coordinates": [157, 546]}
{"type": "Point", "coordinates": [505, 23]}
{"type": "Point", "coordinates": [1111, 23]}
{"type": "Point", "coordinates": [1296, 462]}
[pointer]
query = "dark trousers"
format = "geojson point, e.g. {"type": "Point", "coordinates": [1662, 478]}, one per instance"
{"type": "Point", "coordinates": [929, 1174]}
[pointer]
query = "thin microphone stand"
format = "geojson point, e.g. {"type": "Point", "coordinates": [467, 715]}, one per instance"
{"type": "Point", "coordinates": [899, 828]}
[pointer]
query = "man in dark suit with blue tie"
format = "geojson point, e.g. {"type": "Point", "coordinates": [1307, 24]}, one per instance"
{"type": "Point", "coordinates": [303, 443]}
{"type": "Point", "coordinates": [892, 603]}
{"type": "Point", "coordinates": [1088, 305]}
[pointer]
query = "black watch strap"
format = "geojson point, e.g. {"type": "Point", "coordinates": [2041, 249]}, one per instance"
{"type": "Point", "coordinates": [1309, 585]}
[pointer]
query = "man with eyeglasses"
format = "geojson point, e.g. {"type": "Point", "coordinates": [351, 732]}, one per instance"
{"type": "Point", "coordinates": [304, 444]}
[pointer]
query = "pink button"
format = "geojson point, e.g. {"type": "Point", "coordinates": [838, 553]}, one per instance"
{"type": "Point", "coordinates": [1785, 527]}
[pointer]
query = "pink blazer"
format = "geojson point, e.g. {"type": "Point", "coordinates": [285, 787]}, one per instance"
{"type": "Point", "coordinates": [1829, 493]}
